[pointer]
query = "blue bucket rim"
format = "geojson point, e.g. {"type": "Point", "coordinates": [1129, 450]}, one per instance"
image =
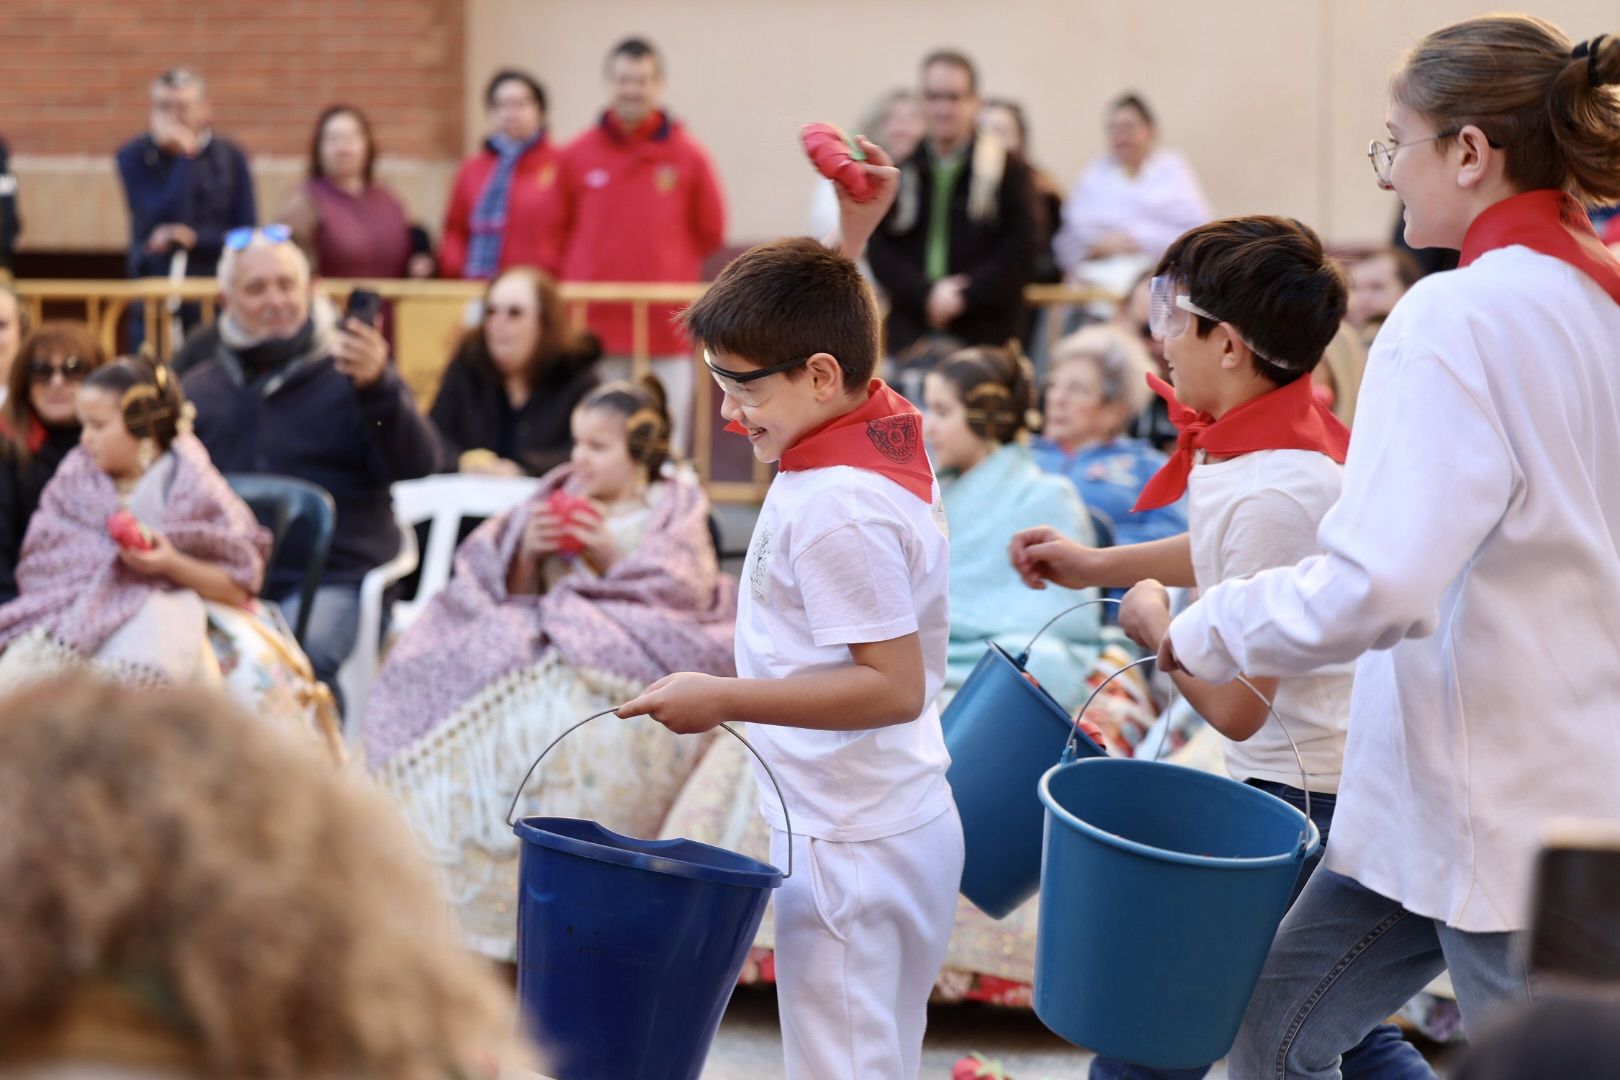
{"type": "Point", "coordinates": [1235, 862]}
{"type": "Point", "coordinates": [527, 830]}
{"type": "Point", "coordinates": [1056, 712]}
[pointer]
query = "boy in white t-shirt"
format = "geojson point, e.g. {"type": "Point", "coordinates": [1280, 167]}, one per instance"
{"type": "Point", "coordinates": [841, 640]}
{"type": "Point", "coordinates": [1245, 308]}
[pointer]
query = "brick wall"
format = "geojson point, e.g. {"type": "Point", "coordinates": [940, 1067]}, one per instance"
{"type": "Point", "coordinates": [77, 70]}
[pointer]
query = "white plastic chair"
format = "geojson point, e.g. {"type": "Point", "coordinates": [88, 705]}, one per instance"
{"type": "Point", "coordinates": [443, 502]}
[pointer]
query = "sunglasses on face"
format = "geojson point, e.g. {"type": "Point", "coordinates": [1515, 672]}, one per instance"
{"type": "Point", "coordinates": [238, 239]}
{"type": "Point", "coordinates": [73, 369]}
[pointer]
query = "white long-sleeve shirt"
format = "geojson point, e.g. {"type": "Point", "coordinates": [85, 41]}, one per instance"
{"type": "Point", "coordinates": [1158, 204]}
{"type": "Point", "coordinates": [1476, 551]}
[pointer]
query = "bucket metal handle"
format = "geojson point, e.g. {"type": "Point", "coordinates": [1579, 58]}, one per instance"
{"type": "Point", "coordinates": [511, 810]}
{"type": "Point", "coordinates": [1304, 777]}
{"type": "Point", "coordinates": [1023, 657]}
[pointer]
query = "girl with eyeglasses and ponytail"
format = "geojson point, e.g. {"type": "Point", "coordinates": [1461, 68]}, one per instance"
{"type": "Point", "coordinates": [1472, 563]}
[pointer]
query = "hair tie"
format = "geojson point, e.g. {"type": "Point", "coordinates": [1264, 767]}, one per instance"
{"type": "Point", "coordinates": [1590, 50]}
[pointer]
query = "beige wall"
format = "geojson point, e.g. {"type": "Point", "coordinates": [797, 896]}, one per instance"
{"type": "Point", "coordinates": [1272, 100]}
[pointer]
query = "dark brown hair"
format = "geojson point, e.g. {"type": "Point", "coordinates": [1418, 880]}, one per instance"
{"type": "Point", "coordinates": [331, 112]}
{"type": "Point", "coordinates": [1520, 81]}
{"type": "Point", "coordinates": [634, 48]}
{"type": "Point", "coordinates": [514, 75]}
{"type": "Point", "coordinates": [645, 409]}
{"type": "Point", "coordinates": [957, 59]}
{"type": "Point", "coordinates": [996, 386]}
{"type": "Point", "coordinates": [1133, 100]}
{"type": "Point", "coordinates": [790, 299]}
{"type": "Point", "coordinates": [149, 396]}
{"type": "Point", "coordinates": [559, 343]}
{"type": "Point", "coordinates": [48, 339]}
{"type": "Point", "coordinates": [1271, 279]}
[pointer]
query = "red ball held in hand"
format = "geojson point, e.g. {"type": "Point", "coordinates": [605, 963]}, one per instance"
{"type": "Point", "coordinates": [839, 158]}
{"type": "Point", "coordinates": [127, 532]}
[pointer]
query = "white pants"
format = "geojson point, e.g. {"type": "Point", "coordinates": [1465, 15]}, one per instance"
{"type": "Point", "coordinates": [861, 933]}
{"type": "Point", "coordinates": [675, 372]}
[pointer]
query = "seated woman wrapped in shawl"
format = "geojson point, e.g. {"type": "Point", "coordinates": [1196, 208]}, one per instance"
{"type": "Point", "coordinates": [978, 401]}
{"type": "Point", "coordinates": [603, 581]}
{"type": "Point", "coordinates": [143, 564]}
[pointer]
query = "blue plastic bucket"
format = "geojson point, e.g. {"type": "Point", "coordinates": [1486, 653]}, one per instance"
{"type": "Point", "coordinates": [1003, 732]}
{"type": "Point", "coordinates": [1161, 890]}
{"type": "Point", "coordinates": [628, 950]}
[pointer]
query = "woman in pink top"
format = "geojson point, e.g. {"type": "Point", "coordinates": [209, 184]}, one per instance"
{"type": "Point", "coordinates": [349, 225]}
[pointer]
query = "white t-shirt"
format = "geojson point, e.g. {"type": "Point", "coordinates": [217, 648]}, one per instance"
{"type": "Point", "coordinates": [843, 556]}
{"type": "Point", "coordinates": [1248, 514]}
{"type": "Point", "coordinates": [1476, 550]}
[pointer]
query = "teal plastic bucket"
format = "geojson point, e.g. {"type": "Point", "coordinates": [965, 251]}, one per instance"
{"type": "Point", "coordinates": [1161, 890]}
{"type": "Point", "coordinates": [1003, 731]}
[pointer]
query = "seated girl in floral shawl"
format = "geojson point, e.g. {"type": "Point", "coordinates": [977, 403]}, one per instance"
{"type": "Point", "coordinates": [555, 611]}
{"type": "Point", "coordinates": [166, 594]}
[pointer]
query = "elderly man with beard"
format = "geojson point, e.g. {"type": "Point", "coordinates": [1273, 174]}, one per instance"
{"type": "Point", "coordinates": [281, 387]}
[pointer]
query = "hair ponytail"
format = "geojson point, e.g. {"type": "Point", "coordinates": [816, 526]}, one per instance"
{"type": "Point", "coordinates": [1542, 99]}
{"type": "Point", "coordinates": [996, 387]}
{"type": "Point", "coordinates": [645, 408]}
{"type": "Point", "coordinates": [150, 400]}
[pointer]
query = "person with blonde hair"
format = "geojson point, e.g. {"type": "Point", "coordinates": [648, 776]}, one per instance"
{"type": "Point", "coordinates": [1470, 566]}
{"type": "Point", "coordinates": [200, 895]}
{"type": "Point", "coordinates": [1096, 384]}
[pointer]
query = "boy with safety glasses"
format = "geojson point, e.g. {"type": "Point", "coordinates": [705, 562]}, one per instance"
{"type": "Point", "coordinates": [841, 640]}
{"type": "Point", "coordinates": [1245, 308]}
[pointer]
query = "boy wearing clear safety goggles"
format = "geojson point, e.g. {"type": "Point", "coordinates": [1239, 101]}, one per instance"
{"type": "Point", "coordinates": [841, 641]}
{"type": "Point", "coordinates": [1245, 308]}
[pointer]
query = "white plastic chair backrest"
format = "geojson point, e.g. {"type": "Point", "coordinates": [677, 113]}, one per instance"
{"type": "Point", "coordinates": [444, 501]}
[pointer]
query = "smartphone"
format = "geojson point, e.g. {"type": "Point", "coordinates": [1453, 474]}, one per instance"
{"type": "Point", "coordinates": [363, 306]}
{"type": "Point", "coordinates": [1575, 920]}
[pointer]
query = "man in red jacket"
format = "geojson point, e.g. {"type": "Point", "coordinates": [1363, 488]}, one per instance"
{"type": "Point", "coordinates": [492, 221]}
{"type": "Point", "coordinates": [636, 199]}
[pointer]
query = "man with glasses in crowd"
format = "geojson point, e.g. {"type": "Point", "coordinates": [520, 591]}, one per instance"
{"type": "Point", "coordinates": [958, 247]}
{"type": "Point", "coordinates": [186, 187]}
{"type": "Point", "coordinates": [287, 389]}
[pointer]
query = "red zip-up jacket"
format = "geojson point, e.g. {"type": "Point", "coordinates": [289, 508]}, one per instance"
{"type": "Point", "coordinates": [532, 182]}
{"type": "Point", "coordinates": [633, 206]}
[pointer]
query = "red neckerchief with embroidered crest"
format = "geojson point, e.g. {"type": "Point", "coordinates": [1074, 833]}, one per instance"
{"type": "Point", "coordinates": [882, 436]}
{"type": "Point", "coordinates": [1290, 417]}
{"type": "Point", "coordinates": [1551, 222]}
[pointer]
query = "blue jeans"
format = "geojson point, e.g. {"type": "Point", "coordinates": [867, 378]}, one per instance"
{"type": "Point", "coordinates": [1347, 957]}
{"type": "Point", "coordinates": [334, 626]}
{"type": "Point", "coordinates": [1383, 1053]}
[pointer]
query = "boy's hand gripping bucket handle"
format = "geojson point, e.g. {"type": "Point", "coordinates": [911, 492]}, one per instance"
{"type": "Point", "coordinates": [1304, 778]}
{"type": "Point", "coordinates": [786, 820]}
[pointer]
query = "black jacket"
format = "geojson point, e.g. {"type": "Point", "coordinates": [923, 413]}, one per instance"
{"type": "Point", "coordinates": [308, 420]}
{"type": "Point", "coordinates": [472, 404]}
{"type": "Point", "coordinates": [997, 255]}
{"type": "Point", "coordinates": [20, 488]}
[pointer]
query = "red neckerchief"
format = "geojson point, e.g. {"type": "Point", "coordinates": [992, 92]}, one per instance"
{"type": "Point", "coordinates": [1550, 222]}
{"type": "Point", "coordinates": [1290, 417]}
{"type": "Point", "coordinates": [883, 436]}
